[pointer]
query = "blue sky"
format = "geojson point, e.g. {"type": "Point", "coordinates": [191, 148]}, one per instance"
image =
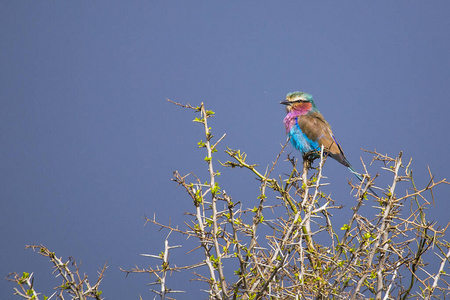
{"type": "Point", "coordinates": [89, 142]}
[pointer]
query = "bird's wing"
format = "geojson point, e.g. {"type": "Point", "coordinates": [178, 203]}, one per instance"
{"type": "Point", "coordinates": [317, 129]}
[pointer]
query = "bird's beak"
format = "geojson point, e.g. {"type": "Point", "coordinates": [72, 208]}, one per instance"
{"type": "Point", "coordinates": [285, 102]}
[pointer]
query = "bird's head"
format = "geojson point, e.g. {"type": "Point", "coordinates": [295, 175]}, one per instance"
{"type": "Point", "coordinates": [298, 100]}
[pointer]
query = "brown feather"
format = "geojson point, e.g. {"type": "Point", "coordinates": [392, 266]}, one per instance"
{"type": "Point", "coordinates": [317, 129]}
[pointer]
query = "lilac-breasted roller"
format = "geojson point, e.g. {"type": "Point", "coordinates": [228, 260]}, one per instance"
{"type": "Point", "coordinates": [308, 130]}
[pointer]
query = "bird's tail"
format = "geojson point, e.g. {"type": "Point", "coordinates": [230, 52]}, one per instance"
{"type": "Point", "coordinates": [359, 177]}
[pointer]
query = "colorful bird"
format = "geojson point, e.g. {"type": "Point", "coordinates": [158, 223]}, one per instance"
{"type": "Point", "coordinates": [308, 130]}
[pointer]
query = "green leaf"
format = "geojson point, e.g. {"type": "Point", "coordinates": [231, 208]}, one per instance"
{"type": "Point", "coordinates": [24, 278]}
{"type": "Point", "coordinates": [198, 198]}
{"type": "Point", "coordinates": [198, 120]}
{"type": "Point", "coordinates": [345, 227]}
{"type": "Point", "coordinates": [215, 189]}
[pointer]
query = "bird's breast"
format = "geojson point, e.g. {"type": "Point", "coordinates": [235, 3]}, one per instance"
{"type": "Point", "coordinates": [300, 140]}
{"type": "Point", "coordinates": [291, 118]}
{"type": "Point", "coordinates": [289, 122]}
